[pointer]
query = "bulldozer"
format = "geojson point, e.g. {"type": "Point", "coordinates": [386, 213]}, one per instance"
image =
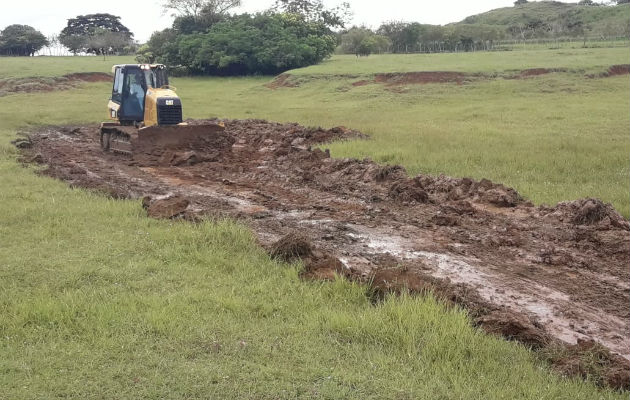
{"type": "Point", "coordinates": [146, 112]}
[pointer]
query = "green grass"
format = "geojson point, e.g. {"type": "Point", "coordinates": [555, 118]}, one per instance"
{"type": "Point", "coordinates": [560, 44]}
{"type": "Point", "coordinates": [99, 301]}
{"type": "Point", "coordinates": [585, 60]}
{"type": "Point", "coordinates": [607, 21]}
{"type": "Point", "coordinates": [17, 67]}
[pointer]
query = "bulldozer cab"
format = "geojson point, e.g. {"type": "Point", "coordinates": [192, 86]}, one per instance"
{"type": "Point", "coordinates": [131, 83]}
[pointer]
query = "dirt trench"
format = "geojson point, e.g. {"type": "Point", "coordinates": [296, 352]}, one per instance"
{"type": "Point", "coordinates": [550, 277]}
{"type": "Point", "coordinates": [393, 81]}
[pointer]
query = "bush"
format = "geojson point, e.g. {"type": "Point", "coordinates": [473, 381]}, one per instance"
{"type": "Point", "coordinates": [243, 45]}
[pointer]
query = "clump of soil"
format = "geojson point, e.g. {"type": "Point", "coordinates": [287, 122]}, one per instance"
{"type": "Point", "coordinates": [317, 264]}
{"type": "Point", "coordinates": [409, 190]}
{"type": "Point", "coordinates": [519, 328]}
{"type": "Point", "coordinates": [168, 208]}
{"type": "Point", "coordinates": [45, 84]}
{"type": "Point", "coordinates": [291, 247]}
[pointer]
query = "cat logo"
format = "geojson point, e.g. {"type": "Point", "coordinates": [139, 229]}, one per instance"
{"type": "Point", "coordinates": [169, 102]}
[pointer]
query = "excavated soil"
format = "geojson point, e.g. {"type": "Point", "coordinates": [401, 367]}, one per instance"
{"type": "Point", "coordinates": [423, 77]}
{"type": "Point", "coordinates": [43, 84]}
{"type": "Point", "coordinates": [621, 69]}
{"type": "Point", "coordinates": [555, 278]}
{"type": "Point", "coordinates": [282, 80]}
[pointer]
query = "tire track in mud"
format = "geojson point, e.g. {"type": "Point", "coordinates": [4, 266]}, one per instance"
{"type": "Point", "coordinates": [546, 276]}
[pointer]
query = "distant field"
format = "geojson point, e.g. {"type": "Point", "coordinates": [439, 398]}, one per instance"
{"type": "Point", "coordinates": [586, 60]}
{"type": "Point", "coordinates": [16, 67]}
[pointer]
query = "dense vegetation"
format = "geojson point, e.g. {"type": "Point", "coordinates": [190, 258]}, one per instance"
{"type": "Point", "coordinates": [244, 44]}
{"type": "Point", "coordinates": [524, 21]}
{"type": "Point", "coordinates": [21, 40]}
{"type": "Point", "coordinates": [205, 39]}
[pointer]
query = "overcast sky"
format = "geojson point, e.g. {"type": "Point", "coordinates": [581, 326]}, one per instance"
{"type": "Point", "coordinates": [143, 17]}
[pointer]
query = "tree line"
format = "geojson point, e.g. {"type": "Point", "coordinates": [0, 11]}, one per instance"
{"type": "Point", "coordinates": [100, 34]}
{"type": "Point", "coordinates": [414, 37]}
{"type": "Point", "coordinates": [405, 37]}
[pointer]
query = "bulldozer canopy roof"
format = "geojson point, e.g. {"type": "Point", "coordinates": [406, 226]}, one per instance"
{"type": "Point", "coordinates": [152, 66]}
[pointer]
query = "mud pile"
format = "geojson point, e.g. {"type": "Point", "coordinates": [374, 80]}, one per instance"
{"type": "Point", "coordinates": [545, 276]}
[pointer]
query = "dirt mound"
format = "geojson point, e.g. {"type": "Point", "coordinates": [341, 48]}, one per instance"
{"type": "Point", "coordinates": [48, 84]}
{"type": "Point", "coordinates": [317, 264]}
{"type": "Point", "coordinates": [589, 212]}
{"type": "Point", "coordinates": [527, 273]}
{"type": "Point", "coordinates": [189, 148]}
{"type": "Point", "coordinates": [514, 327]}
{"type": "Point", "coordinates": [89, 77]}
{"type": "Point", "coordinates": [621, 69]}
{"type": "Point", "coordinates": [539, 71]}
{"type": "Point", "coordinates": [291, 247]}
{"type": "Point", "coordinates": [166, 208]}
{"type": "Point", "coordinates": [361, 83]}
{"type": "Point", "coordinates": [282, 80]}
{"type": "Point", "coordinates": [423, 77]}
{"type": "Point", "coordinates": [445, 188]}
{"type": "Point", "coordinates": [408, 190]}
{"type": "Point", "coordinates": [590, 360]}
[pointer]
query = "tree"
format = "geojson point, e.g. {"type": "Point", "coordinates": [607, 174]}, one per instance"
{"type": "Point", "coordinates": [200, 8]}
{"type": "Point", "coordinates": [244, 44]}
{"type": "Point", "coordinates": [520, 2]}
{"type": "Point", "coordinates": [21, 40]}
{"type": "Point", "coordinates": [77, 35]}
{"type": "Point", "coordinates": [394, 31]}
{"type": "Point", "coordinates": [162, 46]}
{"type": "Point", "coordinates": [105, 42]}
{"type": "Point", "coordinates": [362, 41]}
{"type": "Point", "coordinates": [314, 11]}
{"type": "Point", "coordinates": [411, 36]}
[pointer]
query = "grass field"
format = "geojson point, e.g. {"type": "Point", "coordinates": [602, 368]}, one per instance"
{"type": "Point", "coordinates": [583, 60]}
{"type": "Point", "coordinates": [100, 302]}
{"type": "Point", "coordinates": [16, 67]}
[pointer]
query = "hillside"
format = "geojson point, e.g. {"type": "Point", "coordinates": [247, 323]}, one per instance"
{"type": "Point", "coordinates": [552, 18]}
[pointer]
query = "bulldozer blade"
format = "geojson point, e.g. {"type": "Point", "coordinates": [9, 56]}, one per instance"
{"type": "Point", "coordinates": [172, 136]}
{"type": "Point", "coordinates": [129, 140]}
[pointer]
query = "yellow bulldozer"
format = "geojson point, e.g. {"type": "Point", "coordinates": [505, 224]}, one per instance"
{"type": "Point", "coordinates": [146, 110]}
